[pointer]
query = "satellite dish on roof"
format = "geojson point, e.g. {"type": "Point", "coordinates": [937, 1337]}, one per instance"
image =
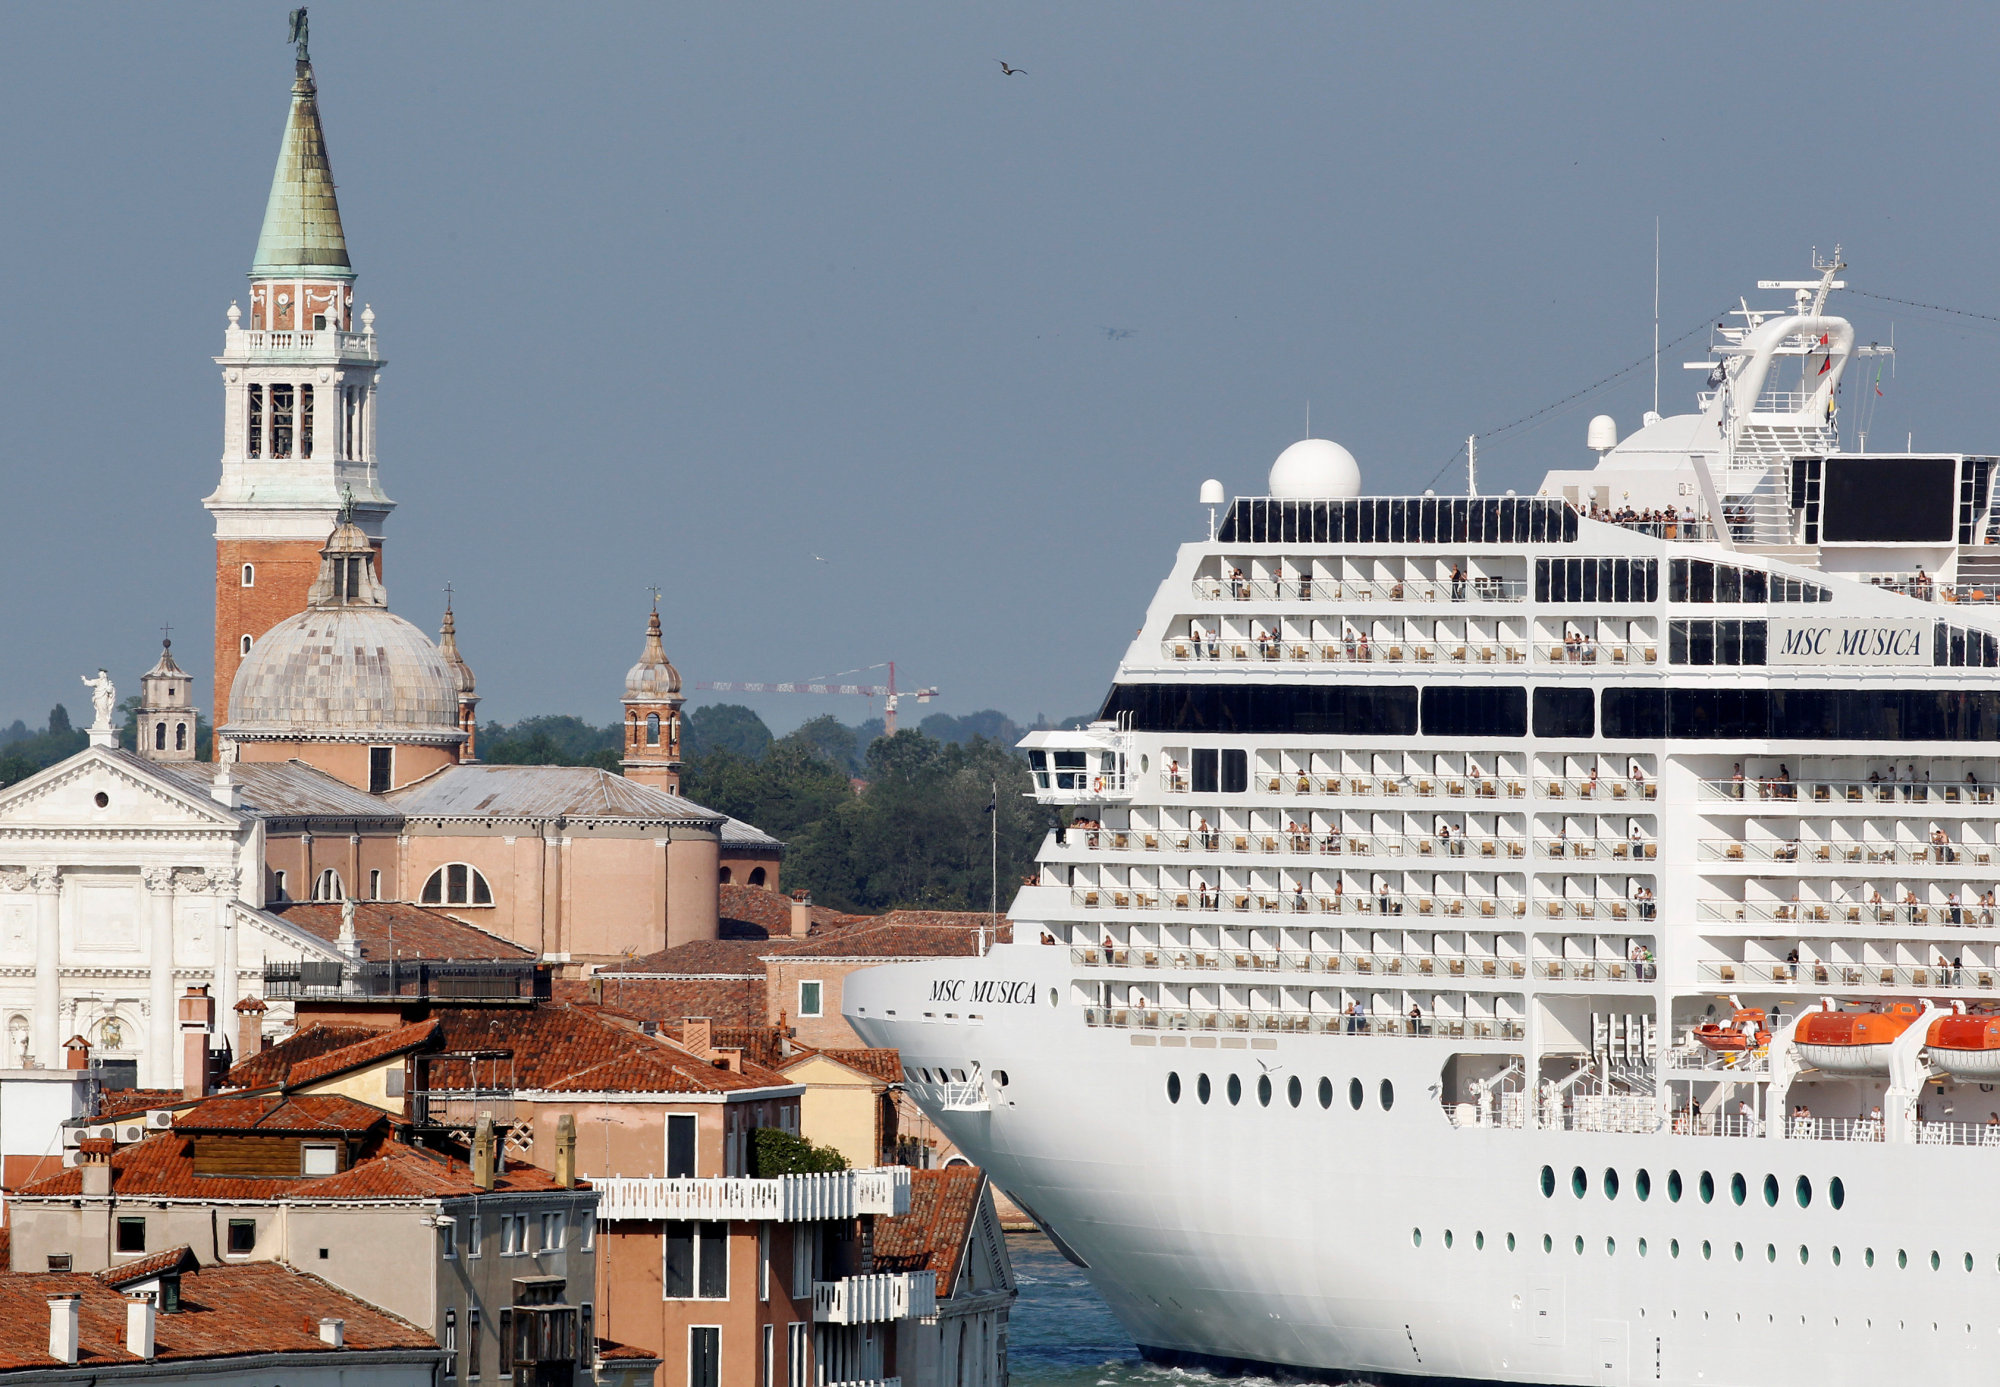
{"type": "Point", "coordinates": [1602, 436]}
{"type": "Point", "coordinates": [1211, 492]}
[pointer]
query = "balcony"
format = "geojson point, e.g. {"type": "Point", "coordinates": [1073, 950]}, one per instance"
{"type": "Point", "coordinates": [1938, 796]}
{"type": "Point", "coordinates": [494, 979]}
{"type": "Point", "coordinates": [1303, 1023]}
{"type": "Point", "coordinates": [1946, 854]}
{"type": "Point", "coordinates": [1389, 965]}
{"type": "Point", "coordinates": [875, 1299]}
{"type": "Point", "coordinates": [1334, 590]}
{"type": "Point", "coordinates": [1269, 902]}
{"type": "Point", "coordinates": [242, 343]}
{"type": "Point", "coordinates": [784, 1199]}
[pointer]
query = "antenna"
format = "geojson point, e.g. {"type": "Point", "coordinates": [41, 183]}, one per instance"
{"type": "Point", "coordinates": [1472, 464]}
{"type": "Point", "coordinates": [1309, 416]}
{"type": "Point", "coordinates": [1656, 315]}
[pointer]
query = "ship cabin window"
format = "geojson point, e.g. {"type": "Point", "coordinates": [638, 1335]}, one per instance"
{"type": "Point", "coordinates": [1548, 1182]}
{"type": "Point", "coordinates": [1771, 1191]}
{"type": "Point", "coordinates": [1579, 1182]}
{"type": "Point", "coordinates": [1836, 1192]}
{"type": "Point", "coordinates": [1956, 646]}
{"type": "Point", "coordinates": [1707, 1188]}
{"type": "Point", "coordinates": [1674, 1186]}
{"type": "Point", "coordinates": [1716, 642]}
{"type": "Point", "coordinates": [1326, 1093]}
{"type": "Point", "coordinates": [1402, 520]}
{"type": "Point", "coordinates": [1225, 771]}
{"type": "Point", "coordinates": [1354, 1094]}
{"type": "Point", "coordinates": [1388, 1095]}
{"type": "Point", "coordinates": [1173, 1088]}
{"type": "Point", "coordinates": [1597, 580]}
{"type": "Point", "coordinates": [1475, 710]}
{"type": "Point", "coordinates": [1642, 1185]}
{"type": "Point", "coordinates": [1610, 1184]}
{"type": "Point", "coordinates": [1565, 712]}
{"type": "Point", "coordinates": [1738, 1189]}
{"type": "Point", "coordinates": [1295, 1091]}
{"type": "Point", "coordinates": [1235, 1090]}
{"type": "Point", "coordinates": [1201, 1087]}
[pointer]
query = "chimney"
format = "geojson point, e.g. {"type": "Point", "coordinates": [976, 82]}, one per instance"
{"type": "Point", "coordinates": [140, 1317]}
{"type": "Point", "coordinates": [697, 1035]}
{"type": "Point", "coordinates": [594, 986]}
{"type": "Point", "coordinates": [482, 1152]}
{"type": "Point", "coordinates": [62, 1326]}
{"type": "Point", "coordinates": [197, 1013]}
{"type": "Point", "coordinates": [333, 1333]}
{"type": "Point", "coordinates": [565, 1171]}
{"type": "Point", "coordinates": [802, 917]}
{"type": "Point", "coordinates": [93, 1163]}
{"type": "Point", "coordinates": [250, 1027]}
{"type": "Point", "coordinates": [76, 1053]}
{"type": "Point", "coordinates": [730, 1059]}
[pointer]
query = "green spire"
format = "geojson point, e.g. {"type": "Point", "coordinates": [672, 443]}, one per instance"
{"type": "Point", "coordinates": [301, 233]}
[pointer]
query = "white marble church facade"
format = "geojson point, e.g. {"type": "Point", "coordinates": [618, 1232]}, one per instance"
{"type": "Point", "coordinates": [119, 889]}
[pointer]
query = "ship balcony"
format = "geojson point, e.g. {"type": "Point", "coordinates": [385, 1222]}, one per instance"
{"type": "Point", "coordinates": [784, 1199]}
{"type": "Point", "coordinates": [258, 344]}
{"type": "Point", "coordinates": [1938, 855]}
{"type": "Point", "coordinates": [1442, 787]}
{"type": "Point", "coordinates": [1587, 849]}
{"type": "Point", "coordinates": [1422, 967]}
{"type": "Point", "coordinates": [1306, 1023]}
{"type": "Point", "coordinates": [877, 1298]}
{"type": "Point", "coordinates": [1795, 913]}
{"type": "Point", "coordinates": [1241, 651]}
{"type": "Point", "coordinates": [1813, 976]}
{"type": "Point", "coordinates": [1489, 846]}
{"type": "Point", "coordinates": [1419, 590]}
{"type": "Point", "coordinates": [1826, 795]}
{"type": "Point", "coordinates": [1241, 902]}
{"type": "Point", "coordinates": [1088, 767]}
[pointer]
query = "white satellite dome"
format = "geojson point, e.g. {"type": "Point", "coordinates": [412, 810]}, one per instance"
{"type": "Point", "coordinates": [1315, 469]}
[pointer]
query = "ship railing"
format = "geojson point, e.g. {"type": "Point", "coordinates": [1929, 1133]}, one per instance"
{"type": "Point", "coordinates": [1292, 650]}
{"type": "Point", "coordinates": [1365, 964]}
{"type": "Point", "coordinates": [1692, 531]}
{"type": "Point", "coordinates": [1598, 908]}
{"type": "Point", "coordinates": [1511, 1115]}
{"type": "Point", "coordinates": [1971, 592]}
{"type": "Point", "coordinates": [1584, 849]}
{"type": "Point", "coordinates": [1861, 792]}
{"type": "Point", "coordinates": [1612, 1112]}
{"type": "Point", "coordinates": [1595, 787]}
{"type": "Point", "coordinates": [1714, 1124]}
{"type": "Point", "coordinates": [1841, 912]}
{"type": "Point", "coordinates": [1309, 844]}
{"type": "Point", "coordinates": [1696, 1056]}
{"type": "Point", "coordinates": [1447, 787]}
{"type": "Point", "coordinates": [1469, 589]}
{"type": "Point", "coordinates": [1303, 1023]}
{"type": "Point", "coordinates": [1870, 976]}
{"type": "Point", "coordinates": [1958, 1133]}
{"type": "Point", "coordinates": [1596, 652]}
{"type": "Point", "coordinates": [1595, 970]}
{"type": "Point", "coordinates": [1836, 1129]}
{"type": "Point", "coordinates": [1269, 901]}
{"type": "Point", "coordinates": [1867, 854]}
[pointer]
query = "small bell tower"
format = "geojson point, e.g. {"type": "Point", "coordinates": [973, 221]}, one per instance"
{"type": "Point", "coordinates": [166, 710]}
{"type": "Point", "coordinates": [653, 715]}
{"type": "Point", "coordinates": [468, 695]}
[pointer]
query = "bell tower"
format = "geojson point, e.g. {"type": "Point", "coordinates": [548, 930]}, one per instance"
{"type": "Point", "coordinates": [166, 722]}
{"type": "Point", "coordinates": [298, 386]}
{"type": "Point", "coordinates": [653, 715]}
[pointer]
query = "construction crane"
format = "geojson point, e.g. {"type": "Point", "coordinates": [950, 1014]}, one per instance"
{"type": "Point", "coordinates": [825, 685]}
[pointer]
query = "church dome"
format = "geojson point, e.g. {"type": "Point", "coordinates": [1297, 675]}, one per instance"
{"type": "Point", "coordinates": [654, 677]}
{"type": "Point", "coordinates": [351, 673]}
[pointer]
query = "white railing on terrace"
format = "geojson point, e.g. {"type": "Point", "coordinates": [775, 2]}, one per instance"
{"type": "Point", "coordinates": [1372, 964]}
{"type": "Point", "coordinates": [784, 1198]}
{"type": "Point", "coordinates": [1819, 912]}
{"type": "Point", "coordinates": [1871, 976]}
{"type": "Point", "coordinates": [1419, 787]}
{"type": "Point", "coordinates": [876, 1298]}
{"type": "Point", "coordinates": [319, 341]}
{"type": "Point", "coordinates": [1287, 650]}
{"type": "Point", "coordinates": [1833, 793]}
{"type": "Point", "coordinates": [1580, 849]}
{"type": "Point", "coordinates": [1835, 1128]}
{"type": "Point", "coordinates": [1295, 903]}
{"type": "Point", "coordinates": [1958, 1134]}
{"type": "Point", "coordinates": [1705, 1124]}
{"type": "Point", "coordinates": [1913, 854]}
{"type": "Point", "coordinates": [1339, 590]}
{"type": "Point", "coordinates": [1278, 1022]}
{"type": "Point", "coordinates": [964, 1095]}
{"type": "Point", "coordinates": [1691, 531]}
{"type": "Point", "coordinates": [1300, 844]}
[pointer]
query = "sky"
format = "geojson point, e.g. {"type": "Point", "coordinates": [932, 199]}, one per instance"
{"type": "Point", "coordinates": [863, 350]}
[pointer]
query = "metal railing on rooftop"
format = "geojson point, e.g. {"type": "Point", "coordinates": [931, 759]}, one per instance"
{"type": "Point", "coordinates": [785, 1198]}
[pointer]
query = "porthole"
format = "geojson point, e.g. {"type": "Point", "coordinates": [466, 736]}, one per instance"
{"type": "Point", "coordinates": [1447, 1239]}
{"type": "Point", "coordinates": [1610, 1247]}
{"type": "Point", "coordinates": [1936, 1262]}
{"type": "Point", "coordinates": [1354, 1096]}
{"type": "Point", "coordinates": [1173, 1088]}
{"type": "Point", "coordinates": [1295, 1091]}
{"type": "Point", "coordinates": [1771, 1252]}
{"type": "Point", "coordinates": [1836, 1193]}
{"type": "Point", "coordinates": [1326, 1093]}
{"type": "Point", "coordinates": [1548, 1182]}
{"type": "Point", "coordinates": [1510, 1242]}
{"type": "Point", "coordinates": [1706, 1250]}
{"type": "Point", "coordinates": [1235, 1090]}
{"type": "Point", "coordinates": [1478, 1241]}
{"type": "Point", "coordinates": [1416, 1237]}
{"type": "Point", "coordinates": [1968, 1261]}
{"type": "Point", "coordinates": [1902, 1260]}
{"type": "Point", "coordinates": [1739, 1189]}
{"type": "Point", "coordinates": [1548, 1243]}
{"type": "Point", "coordinates": [1264, 1090]}
{"type": "Point", "coordinates": [1642, 1247]}
{"type": "Point", "coordinates": [1771, 1191]}
{"type": "Point", "coordinates": [1802, 1191]}
{"type": "Point", "coordinates": [1610, 1183]}
{"type": "Point", "coordinates": [1868, 1257]}
{"type": "Point", "coordinates": [1835, 1254]}
{"type": "Point", "coordinates": [1642, 1185]}
{"type": "Point", "coordinates": [1388, 1095]}
{"type": "Point", "coordinates": [1673, 1247]}
{"type": "Point", "coordinates": [101, 800]}
{"type": "Point", "coordinates": [1579, 1183]}
{"type": "Point", "coordinates": [1674, 1186]}
{"type": "Point", "coordinates": [1739, 1252]}
{"type": "Point", "coordinates": [1805, 1255]}
{"type": "Point", "coordinates": [1707, 1188]}
{"type": "Point", "coordinates": [1579, 1244]}
{"type": "Point", "coordinates": [1201, 1087]}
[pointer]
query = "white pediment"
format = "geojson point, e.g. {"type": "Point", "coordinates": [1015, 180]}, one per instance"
{"type": "Point", "coordinates": [110, 792]}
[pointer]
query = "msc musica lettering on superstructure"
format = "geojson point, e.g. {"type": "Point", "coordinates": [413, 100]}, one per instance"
{"type": "Point", "coordinates": [1854, 641]}
{"type": "Point", "coordinates": [986, 990]}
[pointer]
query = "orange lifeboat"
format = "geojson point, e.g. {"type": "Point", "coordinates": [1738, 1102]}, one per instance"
{"type": "Point", "coordinates": [1853, 1042]}
{"type": "Point", "coordinates": [1966, 1047]}
{"type": "Point", "coordinates": [1744, 1032]}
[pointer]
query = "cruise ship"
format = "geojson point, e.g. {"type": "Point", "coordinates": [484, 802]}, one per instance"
{"type": "Point", "coordinates": [1535, 939]}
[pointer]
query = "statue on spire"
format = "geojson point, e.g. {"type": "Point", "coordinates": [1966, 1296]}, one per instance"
{"type": "Point", "coordinates": [299, 33]}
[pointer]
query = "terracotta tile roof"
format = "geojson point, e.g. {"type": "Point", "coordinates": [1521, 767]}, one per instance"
{"type": "Point", "coordinates": [284, 790]}
{"type": "Point", "coordinates": [726, 958]}
{"type": "Point", "coordinates": [886, 1065]}
{"type": "Point", "coordinates": [255, 1307]}
{"type": "Point", "coordinates": [610, 1349]}
{"type": "Point", "coordinates": [731, 1003]}
{"type": "Point", "coordinates": [180, 1258]}
{"type": "Point", "coordinates": [272, 1114]}
{"type": "Point", "coordinates": [123, 1102]}
{"type": "Point", "coordinates": [377, 1047]}
{"type": "Point", "coordinates": [308, 1042]}
{"type": "Point", "coordinates": [764, 1045]}
{"type": "Point", "coordinates": [162, 1167]}
{"type": "Point", "coordinates": [418, 932]}
{"type": "Point", "coordinates": [530, 793]}
{"type": "Point", "coordinates": [772, 910]}
{"type": "Point", "coordinates": [570, 1047]}
{"type": "Point", "coordinates": [934, 1234]}
{"type": "Point", "coordinates": [902, 934]}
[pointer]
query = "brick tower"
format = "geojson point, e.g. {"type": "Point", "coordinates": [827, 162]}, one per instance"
{"type": "Point", "coordinates": [298, 381]}
{"type": "Point", "coordinates": [653, 715]}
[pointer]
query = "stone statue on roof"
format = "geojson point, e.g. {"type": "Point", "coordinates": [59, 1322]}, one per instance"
{"type": "Point", "coordinates": [103, 700]}
{"type": "Point", "coordinates": [299, 32]}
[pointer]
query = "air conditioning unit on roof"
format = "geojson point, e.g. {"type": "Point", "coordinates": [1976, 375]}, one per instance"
{"type": "Point", "coordinates": [70, 1158]}
{"type": "Point", "coordinates": [159, 1120]}
{"type": "Point", "coordinates": [102, 1131]}
{"type": "Point", "coordinates": [129, 1132]}
{"type": "Point", "coordinates": [71, 1136]}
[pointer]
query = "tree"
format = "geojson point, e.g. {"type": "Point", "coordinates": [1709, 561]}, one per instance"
{"type": "Point", "coordinates": [831, 738]}
{"type": "Point", "coordinates": [58, 721]}
{"type": "Point", "coordinates": [552, 740]}
{"type": "Point", "coordinates": [774, 1151]}
{"type": "Point", "coordinates": [725, 727]}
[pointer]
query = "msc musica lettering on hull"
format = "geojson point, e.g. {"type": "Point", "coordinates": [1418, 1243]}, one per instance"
{"type": "Point", "coordinates": [1478, 952]}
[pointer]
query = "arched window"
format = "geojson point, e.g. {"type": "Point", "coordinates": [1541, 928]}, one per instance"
{"type": "Point", "coordinates": [246, 645]}
{"type": "Point", "coordinates": [456, 883]}
{"type": "Point", "coordinates": [159, 736]}
{"type": "Point", "coordinates": [328, 887]}
{"type": "Point", "coordinates": [725, 876]}
{"type": "Point", "coordinates": [180, 736]}
{"type": "Point", "coordinates": [249, 575]}
{"type": "Point", "coordinates": [756, 876]}
{"type": "Point", "coordinates": [652, 729]}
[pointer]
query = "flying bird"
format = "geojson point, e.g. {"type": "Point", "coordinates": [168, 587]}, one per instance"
{"type": "Point", "coordinates": [1118, 334]}
{"type": "Point", "coordinates": [818, 559]}
{"type": "Point", "coordinates": [1011, 71]}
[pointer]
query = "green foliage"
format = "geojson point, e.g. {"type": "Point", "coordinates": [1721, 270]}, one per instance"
{"type": "Point", "coordinates": [832, 739]}
{"type": "Point", "coordinates": [23, 752]}
{"type": "Point", "coordinates": [774, 1151]}
{"type": "Point", "coordinates": [553, 740]}
{"type": "Point", "coordinates": [724, 727]}
{"type": "Point", "coordinates": [990, 723]}
{"type": "Point", "coordinates": [59, 721]}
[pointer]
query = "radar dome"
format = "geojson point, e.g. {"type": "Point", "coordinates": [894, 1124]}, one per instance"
{"type": "Point", "coordinates": [1603, 434]}
{"type": "Point", "coordinates": [1212, 493]}
{"type": "Point", "coordinates": [1315, 469]}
